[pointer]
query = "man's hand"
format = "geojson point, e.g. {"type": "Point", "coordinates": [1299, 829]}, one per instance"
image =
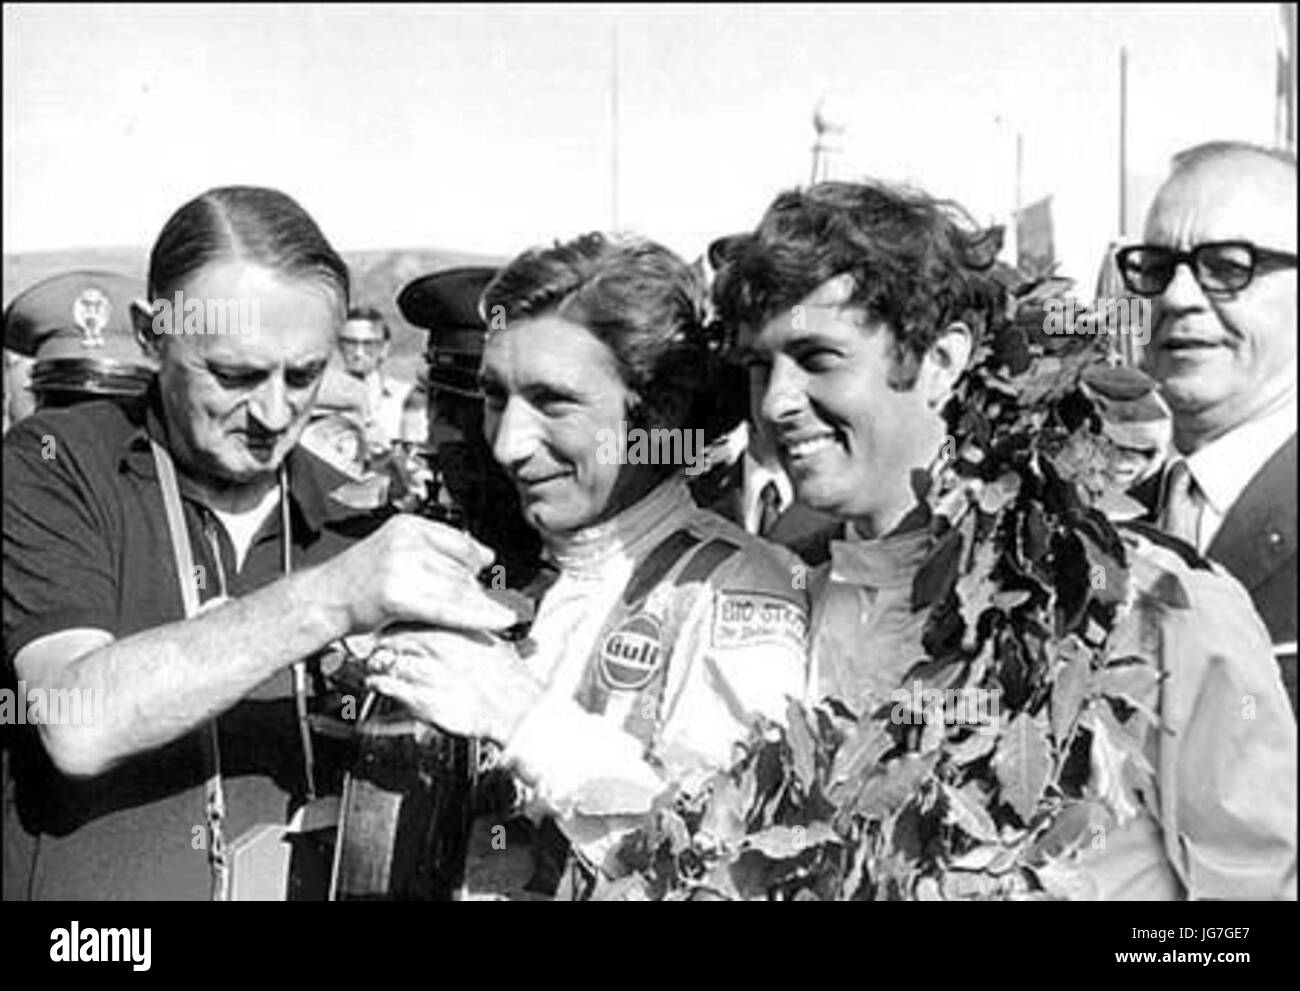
{"type": "Point", "coordinates": [160, 683]}
{"type": "Point", "coordinates": [471, 684]}
{"type": "Point", "coordinates": [411, 569]}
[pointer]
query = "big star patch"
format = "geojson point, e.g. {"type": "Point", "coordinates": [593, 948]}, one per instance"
{"type": "Point", "coordinates": [747, 619]}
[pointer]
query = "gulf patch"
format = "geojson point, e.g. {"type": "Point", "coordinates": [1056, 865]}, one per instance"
{"type": "Point", "coordinates": [746, 619]}
{"type": "Point", "coordinates": [631, 654]}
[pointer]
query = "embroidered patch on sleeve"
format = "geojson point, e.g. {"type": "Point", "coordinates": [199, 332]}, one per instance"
{"type": "Point", "coordinates": [747, 619]}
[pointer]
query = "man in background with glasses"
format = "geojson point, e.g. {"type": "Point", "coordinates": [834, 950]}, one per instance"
{"type": "Point", "coordinates": [363, 344]}
{"type": "Point", "coordinates": [1219, 264]}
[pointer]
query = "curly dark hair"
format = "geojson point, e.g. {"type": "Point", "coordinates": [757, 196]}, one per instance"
{"type": "Point", "coordinates": [918, 264]}
{"type": "Point", "coordinates": [638, 298]}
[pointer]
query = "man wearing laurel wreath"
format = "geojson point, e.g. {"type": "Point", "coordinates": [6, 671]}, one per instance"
{"type": "Point", "coordinates": [1143, 747]}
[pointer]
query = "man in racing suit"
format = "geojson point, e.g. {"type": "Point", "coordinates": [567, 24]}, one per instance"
{"type": "Point", "coordinates": [669, 630]}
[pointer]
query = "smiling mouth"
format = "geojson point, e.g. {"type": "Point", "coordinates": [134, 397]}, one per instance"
{"type": "Point", "coordinates": [807, 446]}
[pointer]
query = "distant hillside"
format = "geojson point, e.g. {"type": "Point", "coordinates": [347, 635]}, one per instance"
{"type": "Point", "coordinates": [376, 278]}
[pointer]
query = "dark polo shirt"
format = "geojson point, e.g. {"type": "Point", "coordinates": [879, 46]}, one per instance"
{"type": "Point", "coordinates": [86, 545]}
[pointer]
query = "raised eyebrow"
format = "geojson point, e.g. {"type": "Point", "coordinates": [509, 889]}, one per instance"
{"type": "Point", "coordinates": [813, 342]}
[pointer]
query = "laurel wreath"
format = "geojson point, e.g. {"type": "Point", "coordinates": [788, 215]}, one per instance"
{"type": "Point", "coordinates": [1026, 583]}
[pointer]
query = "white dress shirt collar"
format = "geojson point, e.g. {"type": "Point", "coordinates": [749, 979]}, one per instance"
{"type": "Point", "coordinates": [1225, 466]}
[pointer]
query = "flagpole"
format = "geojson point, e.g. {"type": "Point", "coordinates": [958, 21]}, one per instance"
{"type": "Point", "coordinates": [1012, 239]}
{"type": "Point", "coordinates": [1123, 142]}
{"type": "Point", "coordinates": [1289, 18]}
{"type": "Point", "coordinates": [613, 113]}
{"type": "Point", "coordinates": [1284, 97]}
{"type": "Point", "coordinates": [1019, 171]}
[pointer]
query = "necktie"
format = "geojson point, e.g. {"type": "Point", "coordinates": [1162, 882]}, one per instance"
{"type": "Point", "coordinates": [769, 497]}
{"type": "Point", "coordinates": [1181, 514]}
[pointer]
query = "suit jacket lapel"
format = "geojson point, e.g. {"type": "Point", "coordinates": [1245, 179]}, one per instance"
{"type": "Point", "coordinates": [1259, 534]}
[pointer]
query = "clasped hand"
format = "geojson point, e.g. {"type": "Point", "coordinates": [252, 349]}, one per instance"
{"type": "Point", "coordinates": [466, 682]}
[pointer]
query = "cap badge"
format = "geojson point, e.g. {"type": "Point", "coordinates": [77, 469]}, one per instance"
{"type": "Point", "coordinates": [90, 313]}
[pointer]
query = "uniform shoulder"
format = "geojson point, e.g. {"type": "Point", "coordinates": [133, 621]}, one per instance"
{"type": "Point", "coordinates": [754, 564]}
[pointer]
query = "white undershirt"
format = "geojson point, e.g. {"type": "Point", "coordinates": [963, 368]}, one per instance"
{"type": "Point", "coordinates": [240, 527]}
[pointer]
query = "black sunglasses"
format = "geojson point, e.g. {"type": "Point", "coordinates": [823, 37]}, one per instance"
{"type": "Point", "coordinates": [1220, 267]}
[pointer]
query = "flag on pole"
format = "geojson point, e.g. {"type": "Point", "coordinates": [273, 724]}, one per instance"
{"type": "Point", "coordinates": [1035, 247]}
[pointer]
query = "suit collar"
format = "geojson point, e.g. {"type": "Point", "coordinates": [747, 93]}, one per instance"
{"type": "Point", "coordinates": [1258, 535]}
{"type": "Point", "coordinates": [1224, 466]}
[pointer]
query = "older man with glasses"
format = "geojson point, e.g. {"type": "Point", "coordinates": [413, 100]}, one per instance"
{"type": "Point", "coordinates": [1219, 265]}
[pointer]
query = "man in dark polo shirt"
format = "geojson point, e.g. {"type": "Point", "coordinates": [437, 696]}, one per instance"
{"type": "Point", "coordinates": [116, 800]}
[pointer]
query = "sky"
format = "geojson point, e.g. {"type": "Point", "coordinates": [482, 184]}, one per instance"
{"type": "Point", "coordinates": [493, 128]}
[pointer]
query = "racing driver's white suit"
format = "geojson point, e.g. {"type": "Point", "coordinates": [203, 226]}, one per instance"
{"type": "Point", "coordinates": [667, 631]}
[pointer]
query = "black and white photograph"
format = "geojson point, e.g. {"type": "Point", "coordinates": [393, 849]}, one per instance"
{"type": "Point", "coordinates": [638, 452]}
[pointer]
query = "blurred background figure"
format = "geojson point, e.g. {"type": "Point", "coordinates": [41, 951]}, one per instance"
{"type": "Point", "coordinates": [415, 413]}
{"type": "Point", "coordinates": [363, 345]}
{"type": "Point", "coordinates": [19, 400]}
{"type": "Point", "coordinates": [336, 428]}
{"type": "Point", "coordinates": [412, 451]}
{"type": "Point", "coordinates": [70, 338]}
{"type": "Point", "coordinates": [467, 477]}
